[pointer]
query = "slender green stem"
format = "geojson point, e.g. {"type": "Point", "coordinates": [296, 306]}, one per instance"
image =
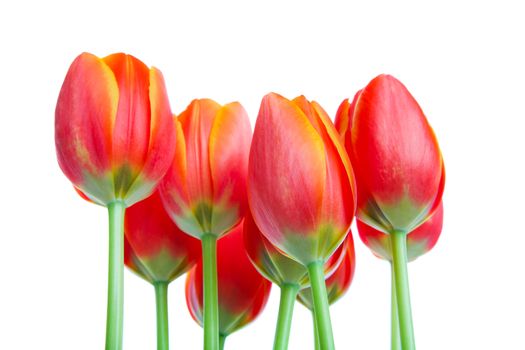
{"type": "Point", "coordinates": [161, 300]}
{"type": "Point", "coordinates": [321, 306]}
{"type": "Point", "coordinates": [316, 333]}
{"type": "Point", "coordinates": [222, 340]}
{"type": "Point", "coordinates": [394, 336]}
{"type": "Point", "coordinates": [284, 321]}
{"type": "Point", "coordinates": [404, 312]}
{"type": "Point", "coordinates": [211, 309]}
{"type": "Point", "coordinates": [115, 311]}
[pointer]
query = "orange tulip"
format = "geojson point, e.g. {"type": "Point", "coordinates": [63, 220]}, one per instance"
{"type": "Point", "coordinates": [113, 128]}
{"type": "Point", "coordinates": [301, 189]}
{"type": "Point", "coordinates": [204, 191]}
{"type": "Point", "coordinates": [114, 138]}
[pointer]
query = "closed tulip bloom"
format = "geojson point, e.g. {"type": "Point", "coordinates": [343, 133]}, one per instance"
{"type": "Point", "coordinates": [301, 187]}
{"type": "Point", "coordinates": [399, 171]}
{"type": "Point", "coordinates": [243, 292]}
{"type": "Point", "coordinates": [204, 191]}
{"type": "Point", "coordinates": [282, 270]}
{"type": "Point", "coordinates": [161, 250]}
{"type": "Point", "coordinates": [114, 131]}
{"type": "Point", "coordinates": [115, 139]}
{"type": "Point", "coordinates": [339, 281]}
{"type": "Point", "coordinates": [398, 165]}
{"type": "Point", "coordinates": [419, 241]}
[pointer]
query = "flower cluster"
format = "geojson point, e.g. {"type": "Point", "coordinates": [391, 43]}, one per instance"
{"type": "Point", "coordinates": [199, 192]}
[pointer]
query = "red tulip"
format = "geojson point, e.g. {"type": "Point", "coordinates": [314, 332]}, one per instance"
{"type": "Point", "coordinates": [399, 173]}
{"type": "Point", "coordinates": [301, 189]}
{"type": "Point", "coordinates": [419, 241]}
{"type": "Point", "coordinates": [398, 166]}
{"type": "Point", "coordinates": [113, 128]}
{"type": "Point", "coordinates": [339, 281]}
{"type": "Point", "coordinates": [204, 191]}
{"type": "Point", "coordinates": [157, 249]}
{"type": "Point", "coordinates": [301, 184]}
{"type": "Point", "coordinates": [243, 292]}
{"type": "Point", "coordinates": [114, 138]}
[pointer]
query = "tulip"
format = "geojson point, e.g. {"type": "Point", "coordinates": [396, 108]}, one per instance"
{"type": "Point", "coordinates": [301, 189]}
{"type": "Point", "coordinates": [285, 272]}
{"type": "Point", "coordinates": [337, 284]}
{"type": "Point", "coordinates": [159, 252]}
{"type": "Point", "coordinates": [399, 172]}
{"type": "Point", "coordinates": [114, 141]}
{"type": "Point", "coordinates": [204, 190]}
{"type": "Point", "coordinates": [243, 292]}
{"type": "Point", "coordinates": [419, 241]}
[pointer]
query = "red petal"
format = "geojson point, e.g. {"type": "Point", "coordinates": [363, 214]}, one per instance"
{"type": "Point", "coordinates": [85, 109]}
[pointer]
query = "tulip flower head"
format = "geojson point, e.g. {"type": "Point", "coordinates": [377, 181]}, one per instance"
{"type": "Point", "coordinates": [243, 292]}
{"type": "Point", "coordinates": [339, 281]}
{"type": "Point", "coordinates": [301, 184]}
{"type": "Point", "coordinates": [274, 264]}
{"type": "Point", "coordinates": [156, 248]}
{"type": "Point", "coordinates": [204, 191]}
{"type": "Point", "coordinates": [419, 241]}
{"type": "Point", "coordinates": [114, 131]}
{"type": "Point", "coordinates": [398, 165]}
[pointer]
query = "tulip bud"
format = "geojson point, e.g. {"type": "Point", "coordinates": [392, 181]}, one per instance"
{"type": "Point", "coordinates": [301, 184]}
{"type": "Point", "coordinates": [204, 191]}
{"type": "Point", "coordinates": [338, 283]}
{"type": "Point", "coordinates": [398, 165]}
{"type": "Point", "coordinates": [156, 248]}
{"type": "Point", "coordinates": [242, 291]}
{"type": "Point", "coordinates": [419, 241]}
{"type": "Point", "coordinates": [114, 131]}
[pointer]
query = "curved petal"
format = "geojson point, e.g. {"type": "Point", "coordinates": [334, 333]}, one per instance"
{"type": "Point", "coordinates": [196, 122]}
{"type": "Point", "coordinates": [162, 140]}
{"type": "Point", "coordinates": [131, 125]}
{"type": "Point", "coordinates": [342, 118]}
{"type": "Point", "coordinates": [287, 173]}
{"type": "Point", "coordinates": [229, 149]}
{"type": "Point", "coordinates": [86, 108]}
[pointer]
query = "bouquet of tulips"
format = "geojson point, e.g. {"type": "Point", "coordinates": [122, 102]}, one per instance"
{"type": "Point", "coordinates": [199, 193]}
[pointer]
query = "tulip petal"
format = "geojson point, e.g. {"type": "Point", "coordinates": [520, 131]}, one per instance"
{"type": "Point", "coordinates": [342, 118]}
{"type": "Point", "coordinates": [132, 122]}
{"type": "Point", "coordinates": [162, 139]}
{"type": "Point", "coordinates": [229, 147]}
{"type": "Point", "coordinates": [84, 116]}
{"type": "Point", "coordinates": [285, 142]}
{"type": "Point", "coordinates": [197, 121]}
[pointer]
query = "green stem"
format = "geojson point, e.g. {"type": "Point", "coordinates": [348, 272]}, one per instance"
{"type": "Point", "coordinates": [211, 310]}
{"type": "Point", "coordinates": [316, 333]}
{"type": "Point", "coordinates": [222, 340]}
{"type": "Point", "coordinates": [394, 336]}
{"type": "Point", "coordinates": [115, 310]}
{"type": "Point", "coordinates": [284, 321]}
{"type": "Point", "coordinates": [321, 306]}
{"type": "Point", "coordinates": [161, 300]}
{"type": "Point", "coordinates": [404, 312]}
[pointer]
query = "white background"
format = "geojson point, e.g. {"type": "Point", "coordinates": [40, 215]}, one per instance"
{"type": "Point", "coordinates": [464, 62]}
